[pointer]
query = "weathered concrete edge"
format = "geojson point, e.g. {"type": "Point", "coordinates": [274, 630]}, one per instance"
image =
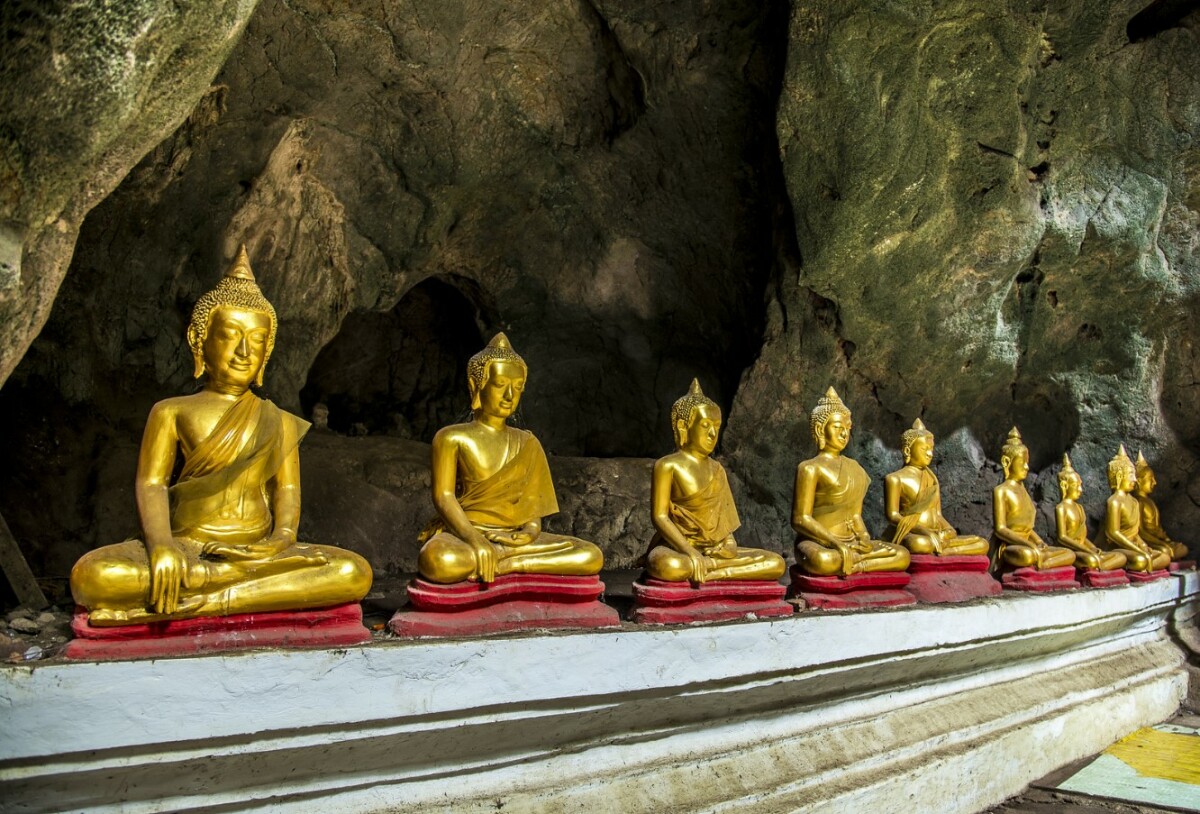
{"type": "Point", "coordinates": [788, 665]}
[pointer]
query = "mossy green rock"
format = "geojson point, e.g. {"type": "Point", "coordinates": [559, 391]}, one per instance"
{"type": "Point", "coordinates": [996, 212]}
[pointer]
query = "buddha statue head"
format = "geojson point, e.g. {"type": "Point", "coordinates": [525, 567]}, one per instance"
{"type": "Point", "coordinates": [232, 330]}
{"type": "Point", "coordinates": [696, 421]}
{"type": "Point", "coordinates": [1070, 485]}
{"type": "Point", "coordinates": [1122, 474]}
{"type": "Point", "coordinates": [496, 378]}
{"type": "Point", "coordinates": [1145, 475]}
{"type": "Point", "coordinates": [1014, 457]}
{"type": "Point", "coordinates": [916, 444]}
{"type": "Point", "coordinates": [831, 423]}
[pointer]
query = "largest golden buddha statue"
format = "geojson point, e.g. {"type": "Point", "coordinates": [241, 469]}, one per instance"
{"type": "Point", "coordinates": [492, 487]}
{"type": "Point", "coordinates": [222, 539]}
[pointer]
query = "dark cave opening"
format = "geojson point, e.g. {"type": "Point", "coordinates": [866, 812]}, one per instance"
{"type": "Point", "coordinates": [401, 372]}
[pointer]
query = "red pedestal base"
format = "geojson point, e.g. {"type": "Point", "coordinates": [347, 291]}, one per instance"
{"type": "Point", "coordinates": [881, 589]}
{"type": "Point", "coordinates": [1031, 579]}
{"type": "Point", "coordinates": [1137, 577]}
{"type": "Point", "coordinates": [1182, 565]}
{"type": "Point", "coordinates": [338, 626]}
{"type": "Point", "coordinates": [512, 602]}
{"type": "Point", "coordinates": [1091, 578]}
{"type": "Point", "coordinates": [677, 603]}
{"type": "Point", "coordinates": [951, 578]}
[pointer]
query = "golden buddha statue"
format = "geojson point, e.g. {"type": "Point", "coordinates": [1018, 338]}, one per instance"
{"type": "Point", "coordinates": [492, 487]}
{"type": "Point", "coordinates": [831, 538]}
{"type": "Point", "coordinates": [1152, 531]}
{"type": "Point", "coordinates": [693, 508]}
{"type": "Point", "coordinates": [1123, 519]}
{"type": "Point", "coordinates": [1013, 515]}
{"type": "Point", "coordinates": [222, 539]}
{"type": "Point", "coordinates": [1071, 523]}
{"type": "Point", "coordinates": [913, 502]}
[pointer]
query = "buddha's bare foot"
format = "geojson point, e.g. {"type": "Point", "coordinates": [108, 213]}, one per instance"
{"type": "Point", "coordinates": [107, 617]}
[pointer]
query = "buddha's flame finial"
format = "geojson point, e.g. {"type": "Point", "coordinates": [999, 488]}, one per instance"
{"type": "Point", "coordinates": [1142, 463]}
{"type": "Point", "coordinates": [919, 425]}
{"type": "Point", "coordinates": [695, 390]}
{"type": "Point", "coordinates": [241, 266]}
{"type": "Point", "coordinates": [1066, 466]}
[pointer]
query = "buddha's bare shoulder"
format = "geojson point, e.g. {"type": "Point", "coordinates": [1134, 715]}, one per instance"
{"type": "Point", "coordinates": [177, 405]}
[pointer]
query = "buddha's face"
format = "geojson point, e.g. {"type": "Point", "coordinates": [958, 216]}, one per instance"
{"type": "Point", "coordinates": [1071, 486]}
{"type": "Point", "coordinates": [836, 434]}
{"type": "Point", "coordinates": [1146, 480]}
{"type": "Point", "coordinates": [704, 430]}
{"type": "Point", "coordinates": [920, 451]}
{"type": "Point", "coordinates": [1016, 467]}
{"type": "Point", "coordinates": [235, 346]}
{"type": "Point", "coordinates": [502, 388]}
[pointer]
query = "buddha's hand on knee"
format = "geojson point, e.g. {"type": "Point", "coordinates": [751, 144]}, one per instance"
{"type": "Point", "coordinates": [485, 560]}
{"type": "Point", "coordinates": [701, 565]}
{"type": "Point", "coordinates": [168, 573]}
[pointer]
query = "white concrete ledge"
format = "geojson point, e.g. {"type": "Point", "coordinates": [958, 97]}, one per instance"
{"type": "Point", "coordinates": [928, 708]}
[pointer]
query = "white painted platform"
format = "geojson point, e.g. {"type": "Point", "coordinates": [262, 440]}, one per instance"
{"type": "Point", "coordinates": [922, 709]}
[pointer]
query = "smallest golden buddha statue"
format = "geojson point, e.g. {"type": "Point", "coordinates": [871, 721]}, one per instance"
{"type": "Point", "coordinates": [693, 509]}
{"type": "Point", "coordinates": [1123, 520]}
{"type": "Point", "coordinates": [913, 502]}
{"type": "Point", "coordinates": [1018, 546]}
{"type": "Point", "coordinates": [1152, 531]}
{"type": "Point", "coordinates": [1071, 522]}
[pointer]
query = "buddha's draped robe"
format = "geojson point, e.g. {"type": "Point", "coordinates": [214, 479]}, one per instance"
{"type": "Point", "coordinates": [929, 496]}
{"type": "Point", "coordinates": [708, 516]}
{"type": "Point", "coordinates": [519, 493]}
{"type": "Point", "coordinates": [248, 440]}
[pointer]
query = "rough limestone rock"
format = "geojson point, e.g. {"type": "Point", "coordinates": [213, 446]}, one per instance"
{"type": "Point", "coordinates": [596, 179]}
{"type": "Point", "coordinates": [982, 216]}
{"type": "Point", "coordinates": [86, 90]}
{"type": "Point", "coordinates": [587, 177]}
{"type": "Point", "coordinates": [997, 212]}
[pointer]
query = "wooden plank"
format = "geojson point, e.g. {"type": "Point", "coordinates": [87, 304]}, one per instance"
{"type": "Point", "coordinates": [16, 570]}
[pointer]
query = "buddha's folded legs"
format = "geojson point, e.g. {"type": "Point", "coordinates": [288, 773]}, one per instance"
{"type": "Point", "coordinates": [965, 545]}
{"type": "Point", "coordinates": [1020, 556]}
{"type": "Point", "coordinates": [1173, 550]}
{"type": "Point", "coordinates": [1100, 561]}
{"type": "Point", "coordinates": [818, 560]}
{"type": "Point", "coordinates": [114, 582]}
{"type": "Point", "coordinates": [446, 559]}
{"type": "Point", "coordinates": [884, 557]}
{"type": "Point", "coordinates": [669, 565]}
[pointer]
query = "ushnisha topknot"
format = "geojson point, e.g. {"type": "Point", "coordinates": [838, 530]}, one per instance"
{"type": "Point", "coordinates": [912, 434]}
{"type": "Point", "coordinates": [1120, 463]}
{"type": "Point", "coordinates": [827, 405]}
{"type": "Point", "coordinates": [682, 409]}
{"type": "Point", "coordinates": [1142, 464]}
{"type": "Point", "coordinates": [237, 289]}
{"type": "Point", "coordinates": [498, 350]}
